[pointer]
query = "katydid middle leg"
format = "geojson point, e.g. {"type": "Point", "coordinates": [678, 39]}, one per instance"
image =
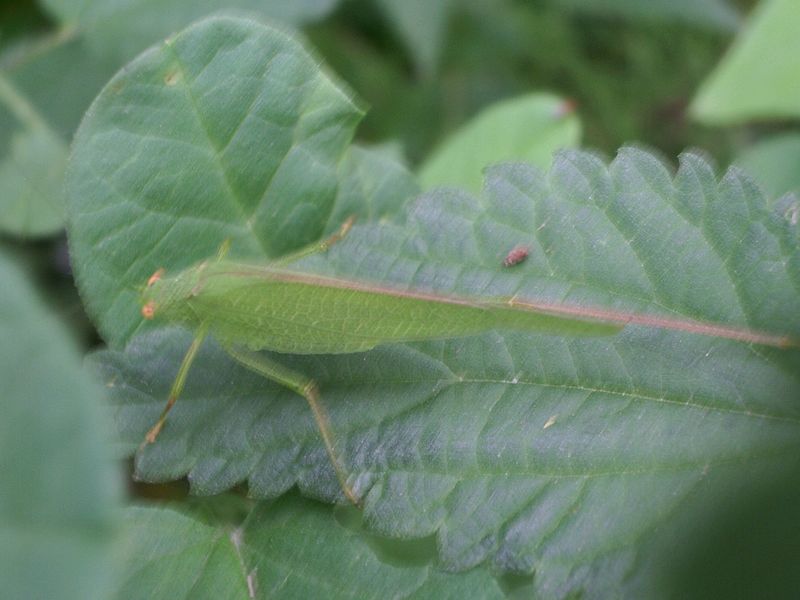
{"type": "Point", "coordinates": [306, 387]}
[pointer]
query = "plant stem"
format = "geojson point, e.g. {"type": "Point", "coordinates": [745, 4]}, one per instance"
{"type": "Point", "coordinates": [21, 107]}
{"type": "Point", "coordinates": [42, 45]}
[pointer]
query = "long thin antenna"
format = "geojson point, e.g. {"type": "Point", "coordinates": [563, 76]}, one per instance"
{"type": "Point", "coordinates": [689, 325]}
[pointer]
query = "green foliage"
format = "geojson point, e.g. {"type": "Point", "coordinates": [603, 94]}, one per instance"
{"type": "Point", "coordinates": [125, 27]}
{"type": "Point", "coordinates": [512, 448]}
{"type": "Point", "coordinates": [57, 486]}
{"type": "Point", "coordinates": [292, 548]}
{"type": "Point", "coordinates": [529, 128]}
{"type": "Point", "coordinates": [758, 77]}
{"type": "Point", "coordinates": [715, 14]}
{"type": "Point", "coordinates": [30, 184]}
{"type": "Point", "coordinates": [423, 26]}
{"type": "Point", "coordinates": [170, 555]}
{"type": "Point", "coordinates": [631, 78]}
{"type": "Point", "coordinates": [44, 92]}
{"type": "Point", "coordinates": [55, 76]}
{"type": "Point", "coordinates": [775, 162]}
{"type": "Point", "coordinates": [652, 463]}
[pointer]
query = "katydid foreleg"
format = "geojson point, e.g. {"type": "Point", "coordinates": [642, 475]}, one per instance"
{"type": "Point", "coordinates": [177, 385]}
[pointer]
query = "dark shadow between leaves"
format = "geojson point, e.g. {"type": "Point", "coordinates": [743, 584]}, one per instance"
{"type": "Point", "coordinates": [749, 549]}
{"type": "Point", "coordinates": [397, 553]}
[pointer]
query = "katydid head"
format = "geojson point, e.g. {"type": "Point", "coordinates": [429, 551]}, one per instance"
{"type": "Point", "coordinates": [165, 297]}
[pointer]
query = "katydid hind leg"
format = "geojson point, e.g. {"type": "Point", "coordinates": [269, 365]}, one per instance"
{"type": "Point", "coordinates": [306, 387]}
{"type": "Point", "coordinates": [317, 247]}
{"type": "Point", "coordinates": [177, 385]}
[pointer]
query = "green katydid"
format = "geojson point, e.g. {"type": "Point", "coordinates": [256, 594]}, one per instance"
{"type": "Point", "coordinates": [249, 307]}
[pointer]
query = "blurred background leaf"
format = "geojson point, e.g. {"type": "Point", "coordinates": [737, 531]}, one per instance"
{"type": "Point", "coordinates": [531, 128]}
{"type": "Point", "coordinates": [631, 78]}
{"type": "Point", "coordinates": [619, 70]}
{"type": "Point", "coordinates": [58, 488]}
{"type": "Point", "coordinates": [714, 14]}
{"type": "Point", "coordinates": [31, 178]}
{"type": "Point", "coordinates": [745, 547]}
{"type": "Point", "coordinates": [125, 27]}
{"type": "Point", "coordinates": [422, 25]}
{"type": "Point", "coordinates": [758, 78]}
{"type": "Point", "coordinates": [775, 163]}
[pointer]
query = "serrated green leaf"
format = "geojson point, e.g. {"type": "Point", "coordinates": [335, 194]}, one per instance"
{"type": "Point", "coordinates": [530, 128]}
{"type": "Point", "coordinates": [292, 548]}
{"type": "Point", "coordinates": [575, 458]}
{"type": "Point", "coordinates": [31, 179]}
{"type": "Point", "coordinates": [775, 163]}
{"type": "Point", "coordinates": [125, 27]}
{"type": "Point", "coordinates": [57, 485]}
{"type": "Point", "coordinates": [227, 131]}
{"type": "Point", "coordinates": [758, 77]}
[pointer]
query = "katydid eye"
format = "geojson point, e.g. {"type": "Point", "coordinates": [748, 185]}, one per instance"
{"type": "Point", "coordinates": [149, 310]}
{"type": "Point", "coordinates": [155, 277]}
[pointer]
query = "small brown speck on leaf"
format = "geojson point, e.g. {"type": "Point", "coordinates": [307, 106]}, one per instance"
{"type": "Point", "coordinates": [516, 256]}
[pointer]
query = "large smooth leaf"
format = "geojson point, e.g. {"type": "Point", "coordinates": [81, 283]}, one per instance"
{"type": "Point", "coordinates": [758, 78]}
{"type": "Point", "coordinates": [532, 128]}
{"type": "Point", "coordinates": [585, 460]}
{"type": "Point", "coordinates": [292, 548]}
{"type": "Point", "coordinates": [229, 130]}
{"type": "Point", "coordinates": [57, 485]}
